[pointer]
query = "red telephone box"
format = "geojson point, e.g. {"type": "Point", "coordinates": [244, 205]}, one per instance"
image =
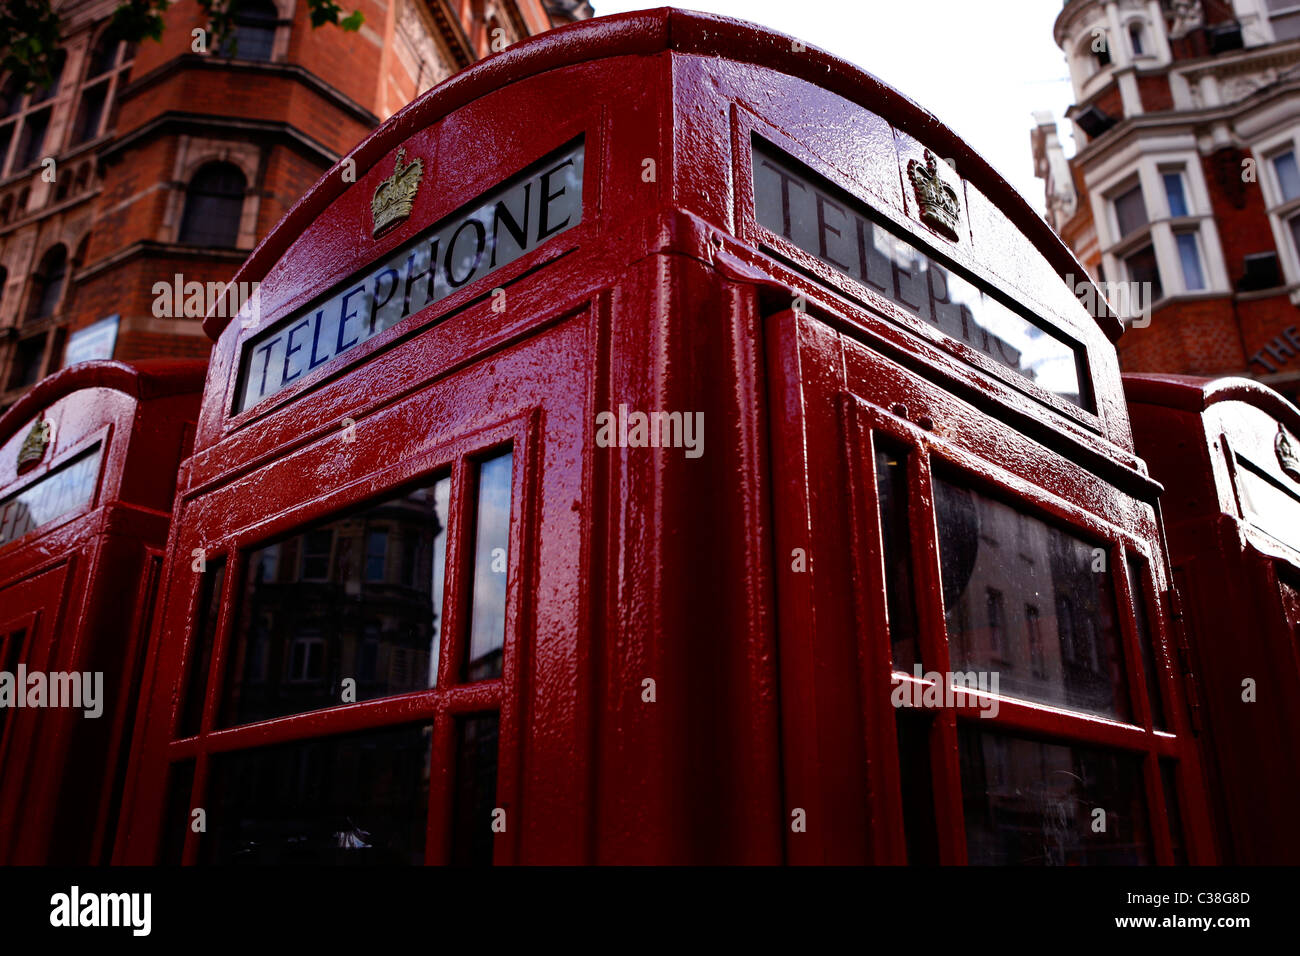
{"type": "Point", "coordinates": [1228, 452]}
{"type": "Point", "coordinates": [624, 426]}
{"type": "Point", "coordinates": [88, 463]}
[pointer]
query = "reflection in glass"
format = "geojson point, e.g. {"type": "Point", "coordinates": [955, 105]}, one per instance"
{"type": "Point", "coordinates": [1030, 803]}
{"type": "Point", "coordinates": [358, 599]}
{"type": "Point", "coordinates": [823, 220]}
{"type": "Point", "coordinates": [205, 633]}
{"type": "Point", "coordinates": [1136, 585]}
{"type": "Point", "coordinates": [476, 790]}
{"type": "Point", "coordinates": [917, 787]}
{"type": "Point", "coordinates": [896, 543]}
{"type": "Point", "coordinates": [352, 799]}
{"type": "Point", "coordinates": [176, 815]}
{"type": "Point", "coordinates": [1022, 599]}
{"type": "Point", "coordinates": [491, 563]}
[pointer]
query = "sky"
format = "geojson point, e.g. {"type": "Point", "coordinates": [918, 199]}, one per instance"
{"type": "Point", "coordinates": [982, 68]}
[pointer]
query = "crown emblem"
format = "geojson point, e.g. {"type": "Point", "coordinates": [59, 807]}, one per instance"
{"type": "Point", "coordinates": [395, 196]}
{"type": "Point", "coordinates": [33, 447]}
{"type": "Point", "coordinates": [1287, 456]}
{"type": "Point", "coordinates": [940, 209]}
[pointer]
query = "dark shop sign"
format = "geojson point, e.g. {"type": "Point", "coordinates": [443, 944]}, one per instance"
{"type": "Point", "coordinates": [481, 237]}
{"type": "Point", "coordinates": [826, 222]}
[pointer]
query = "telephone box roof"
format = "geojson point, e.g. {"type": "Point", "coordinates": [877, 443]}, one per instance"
{"type": "Point", "coordinates": [149, 378]}
{"type": "Point", "coordinates": [646, 33]}
{"type": "Point", "coordinates": [1191, 393]}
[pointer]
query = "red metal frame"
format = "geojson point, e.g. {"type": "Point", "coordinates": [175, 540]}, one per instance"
{"type": "Point", "coordinates": [81, 588]}
{"type": "Point", "coordinates": [1232, 581]}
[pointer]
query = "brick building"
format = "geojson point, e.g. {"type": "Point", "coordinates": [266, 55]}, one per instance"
{"type": "Point", "coordinates": [1186, 177]}
{"type": "Point", "coordinates": [142, 164]}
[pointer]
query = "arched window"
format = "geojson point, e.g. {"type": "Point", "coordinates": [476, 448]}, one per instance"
{"type": "Point", "coordinates": [6, 209]}
{"type": "Point", "coordinates": [1135, 41]}
{"type": "Point", "coordinates": [213, 204]}
{"type": "Point", "coordinates": [47, 284]}
{"type": "Point", "coordinates": [56, 74]}
{"type": "Point", "coordinates": [253, 35]}
{"type": "Point", "coordinates": [104, 55]}
{"type": "Point", "coordinates": [11, 96]}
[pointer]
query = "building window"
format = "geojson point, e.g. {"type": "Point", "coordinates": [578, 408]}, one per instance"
{"type": "Point", "coordinates": [316, 549]}
{"type": "Point", "coordinates": [1101, 52]}
{"type": "Point", "coordinates": [31, 140]}
{"type": "Point", "coordinates": [56, 74]}
{"type": "Point", "coordinates": [26, 369]}
{"type": "Point", "coordinates": [376, 554]}
{"type": "Point", "coordinates": [90, 113]}
{"type": "Point", "coordinates": [1285, 17]}
{"type": "Point", "coordinates": [253, 36]}
{"type": "Point", "coordinates": [1175, 194]}
{"type": "Point", "coordinates": [1288, 175]}
{"type": "Point", "coordinates": [47, 284]}
{"type": "Point", "coordinates": [1135, 39]}
{"type": "Point", "coordinates": [1189, 255]}
{"type": "Point", "coordinates": [1283, 194]}
{"type": "Point", "coordinates": [1141, 268]}
{"type": "Point", "coordinates": [997, 620]}
{"type": "Point", "coordinates": [1130, 211]}
{"type": "Point", "coordinates": [103, 57]}
{"type": "Point", "coordinates": [214, 203]}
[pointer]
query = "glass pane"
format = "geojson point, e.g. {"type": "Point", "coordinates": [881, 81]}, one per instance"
{"type": "Point", "coordinates": [1174, 192]}
{"type": "Point", "coordinates": [1031, 803]}
{"type": "Point", "coordinates": [841, 231]}
{"type": "Point", "coordinates": [1168, 781]}
{"type": "Point", "coordinates": [312, 618]}
{"type": "Point", "coordinates": [205, 633]}
{"type": "Point", "coordinates": [1269, 506]}
{"type": "Point", "coordinates": [491, 563]}
{"type": "Point", "coordinates": [47, 499]}
{"type": "Point", "coordinates": [1294, 225]}
{"type": "Point", "coordinates": [1137, 587]}
{"type": "Point", "coordinates": [916, 784]}
{"type": "Point", "coordinates": [1130, 211]}
{"type": "Point", "coordinates": [1142, 269]}
{"type": "Point", "coordinates": [1288, 174]}
{"type": "Point", "coordinates": [1010, 582]}
{"type": "Point", "coordinates": [1190, 255]}
{"type": "Point", "coordinates": [896, 542]}
{"type": "Point", "coordinates": [352, 799]}
{"type": "Point", "coordinates": [177, 817]}
{"type": "Point", "coordinates": [476, 790]}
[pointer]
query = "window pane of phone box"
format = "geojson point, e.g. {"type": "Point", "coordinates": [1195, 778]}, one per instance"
{"type": "Point", "coordinates": [1030, 803]}
{"type": "Point", "coordinates": [345, 611]}
{"type": "Point", "coordinates": [353, 799]}
{"type": "Point", "coordinates": [1029, 603]}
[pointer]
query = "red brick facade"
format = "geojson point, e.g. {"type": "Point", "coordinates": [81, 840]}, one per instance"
{"type": "Point", "coordinates": [1205, 100]}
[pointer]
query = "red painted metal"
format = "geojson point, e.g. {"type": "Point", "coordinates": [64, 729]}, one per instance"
{"type": "Point", "coordinates": [770, 737]}
{"type": "Point", "coordinates": [77, 592]}
{"type": "Point", "coordinates": [1238, 586]}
